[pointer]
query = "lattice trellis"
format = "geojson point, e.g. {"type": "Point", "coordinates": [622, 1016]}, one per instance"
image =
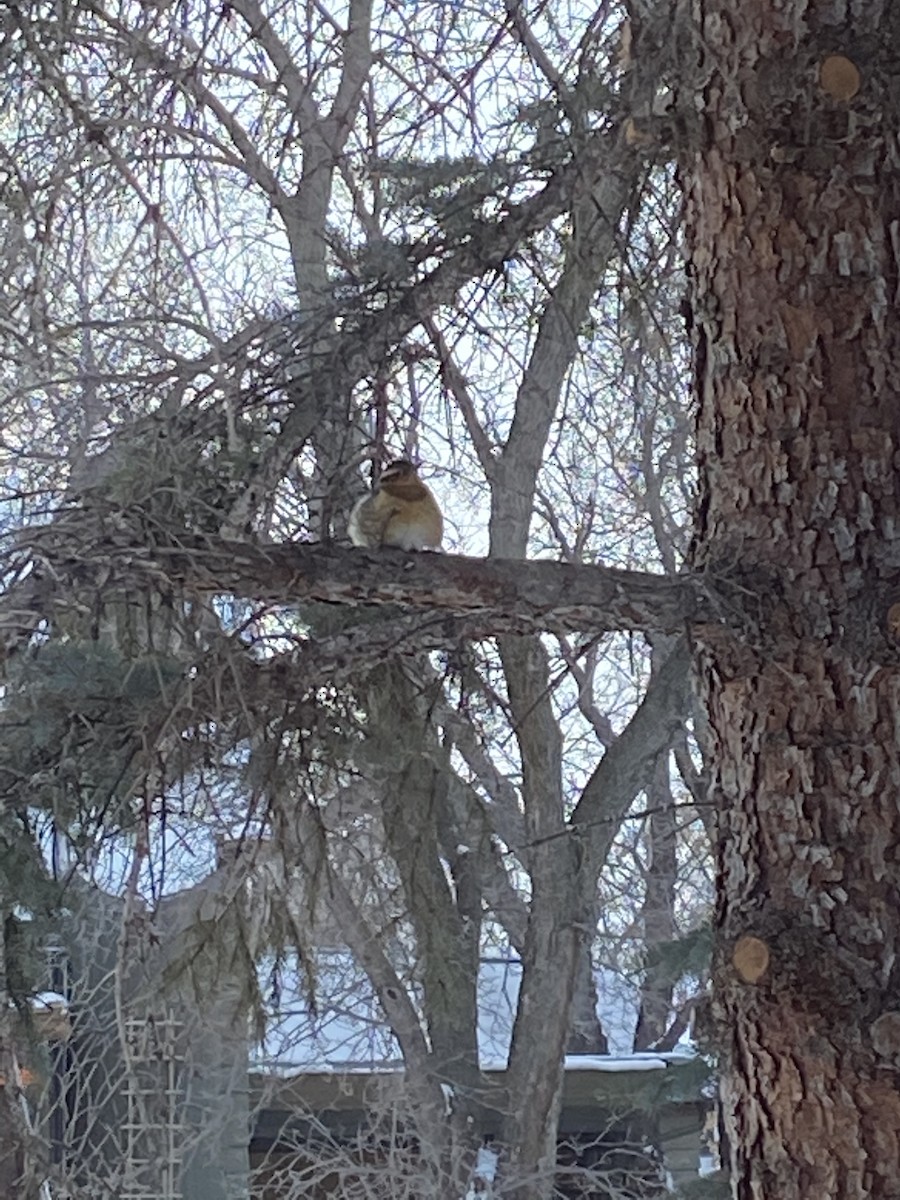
{"type": "Point", "coordinates": [153, 1128]}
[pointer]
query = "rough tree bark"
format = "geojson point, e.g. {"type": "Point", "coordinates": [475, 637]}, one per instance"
{"type": "Point", "coordinates": [793, 202]}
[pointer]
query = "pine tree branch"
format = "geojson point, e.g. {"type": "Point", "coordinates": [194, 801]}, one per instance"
{"type": "Point", "coordinates": [470, 597]}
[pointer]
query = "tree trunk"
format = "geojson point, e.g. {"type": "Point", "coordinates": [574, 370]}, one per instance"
{"type": "Point", "coordinates": [658, 914]}
{"type": "Point", "coordinates": [450, 1094]}
{"type": "Point", "coordinates": [792, 207]}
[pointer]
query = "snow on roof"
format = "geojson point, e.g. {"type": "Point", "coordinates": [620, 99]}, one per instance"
{"type": "Point", "coordinates": [46, 1001]}
{"type": "Point", "coordinates": [620, 1062]}
{"type": "Point", "coordinates": [608, 1063]}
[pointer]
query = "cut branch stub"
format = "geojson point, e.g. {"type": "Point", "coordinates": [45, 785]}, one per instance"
{"type": "Point", "coordinates": [839, 77]}
{"type": "Point", "coordinates": [750, 958]}
{"type": "Point", "coordinates": [885, 1032]}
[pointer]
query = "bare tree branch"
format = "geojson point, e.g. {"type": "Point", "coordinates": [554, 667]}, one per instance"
{"type": "Point", "coordinates": [627, 765]}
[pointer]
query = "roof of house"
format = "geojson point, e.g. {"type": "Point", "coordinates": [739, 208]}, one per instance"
{"type": "Point", "coordinates": [345, 1033]}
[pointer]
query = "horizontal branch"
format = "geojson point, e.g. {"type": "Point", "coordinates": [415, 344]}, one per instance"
{"type": "Point", "coordinates": [476, 597]}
